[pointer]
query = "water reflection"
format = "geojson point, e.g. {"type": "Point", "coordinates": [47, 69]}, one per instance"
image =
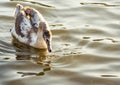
{"type": "Point", "coordinates": [25, 52]}
{"type": "Point", "coordinates": [46, 67]}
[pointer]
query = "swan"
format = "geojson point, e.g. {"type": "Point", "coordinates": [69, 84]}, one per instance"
{"type": "Point", "coordinates": [31, 28]}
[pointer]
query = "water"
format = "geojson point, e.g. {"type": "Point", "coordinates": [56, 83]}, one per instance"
{"type": "Point", "coordinates": [85, 44]}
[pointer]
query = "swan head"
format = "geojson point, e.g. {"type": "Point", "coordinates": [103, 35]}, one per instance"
{"type": "Point", "coordinates": [47, 35]}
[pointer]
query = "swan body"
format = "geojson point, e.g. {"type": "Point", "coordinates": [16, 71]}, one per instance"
{"type": "Point", "coordinates": [31, 28]}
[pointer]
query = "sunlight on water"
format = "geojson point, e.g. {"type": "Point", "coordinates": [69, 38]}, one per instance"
{"type": "Point", "coordinates": [85, 44]}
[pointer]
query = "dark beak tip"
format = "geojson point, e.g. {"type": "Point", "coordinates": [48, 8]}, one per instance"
{"type": "Point", "coordinates": [50, 50]}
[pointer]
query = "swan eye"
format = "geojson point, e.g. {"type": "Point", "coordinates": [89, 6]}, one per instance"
{"type": "Point", "coordinates": [47, 34]}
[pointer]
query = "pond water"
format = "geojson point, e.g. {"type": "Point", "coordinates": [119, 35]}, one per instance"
{"type": "Point", "coordinates": [85, 42]}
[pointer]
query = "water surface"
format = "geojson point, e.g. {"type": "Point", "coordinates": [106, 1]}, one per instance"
{"type": "Point", "coordinates": [85, 45]}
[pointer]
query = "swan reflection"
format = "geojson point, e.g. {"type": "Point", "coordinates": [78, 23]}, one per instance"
{"type": "Point", "coordinates": [25, 52]}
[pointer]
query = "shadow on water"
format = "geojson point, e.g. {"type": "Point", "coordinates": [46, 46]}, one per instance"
{"type": "Point", "coordinates": [25, 52]}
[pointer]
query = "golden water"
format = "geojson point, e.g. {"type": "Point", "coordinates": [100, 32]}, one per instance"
{"type": "Point", "coordinates": [86, 44]}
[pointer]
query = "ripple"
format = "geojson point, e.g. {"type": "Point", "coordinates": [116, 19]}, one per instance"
{"type": "Point", "coordinates": [103, 4]}
{"type": "Point", "coordinates": [109, 76]}
{"type": "Point", "coordinates": [35, 2]}
{"type": "Point", "coordinates": [85, 44]}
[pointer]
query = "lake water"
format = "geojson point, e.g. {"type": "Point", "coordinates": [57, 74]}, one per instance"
{"type": "Point", "coordinates": [86, 44]}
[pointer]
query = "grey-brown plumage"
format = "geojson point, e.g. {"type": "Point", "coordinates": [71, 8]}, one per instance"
{"type": "Point", "coordinates": [31, 28]}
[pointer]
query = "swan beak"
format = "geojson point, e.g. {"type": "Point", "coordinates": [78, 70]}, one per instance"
{"type": "Point", "coordinates": [49, 45]}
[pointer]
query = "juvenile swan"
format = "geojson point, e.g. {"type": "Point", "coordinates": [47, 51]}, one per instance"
{"type": "Point", "coordinates": [31, 28]}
